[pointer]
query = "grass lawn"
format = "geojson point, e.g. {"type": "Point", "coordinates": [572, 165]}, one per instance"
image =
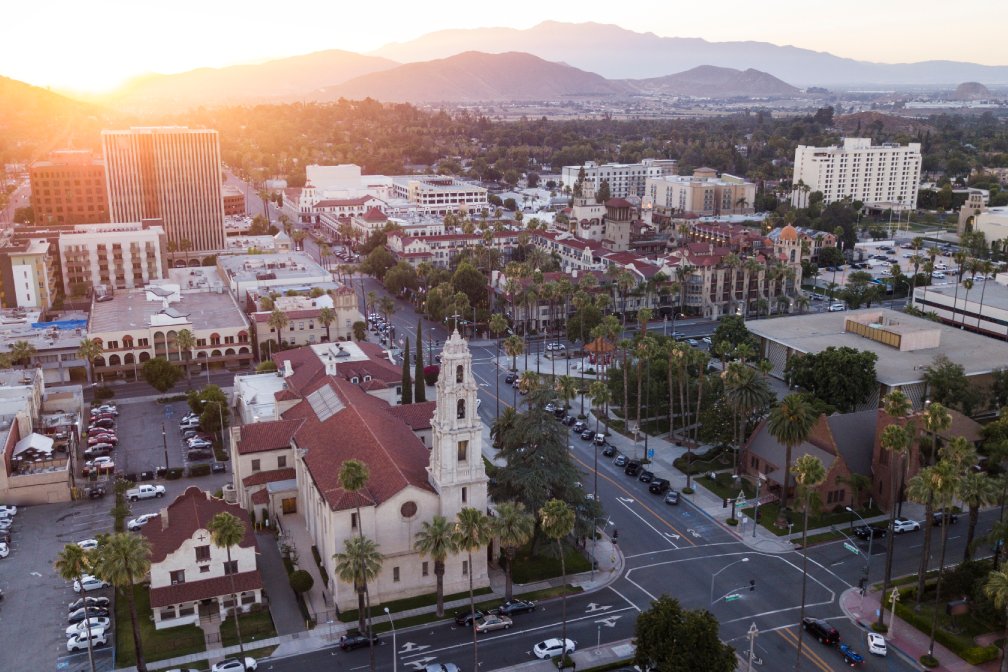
{"type": "Point", "coordinates": [255, 625]}
{"type": "Point", "coordinates": [528, 568]}
{"type": "Point", "coordinates": [405, 604]}
{"type": "Point", "coordinates": [769, 513]}
{"type": "Point", "coordinates": [725, 486]}
{"type": "Point", "coordinates": [157, 644]}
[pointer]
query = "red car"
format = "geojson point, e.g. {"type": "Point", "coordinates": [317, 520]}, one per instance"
{"type": "Point", "coordinates": [102, 438]}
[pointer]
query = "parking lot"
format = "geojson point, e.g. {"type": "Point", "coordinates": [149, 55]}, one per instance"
{"type": "Point", "coordinates": [33, 613]}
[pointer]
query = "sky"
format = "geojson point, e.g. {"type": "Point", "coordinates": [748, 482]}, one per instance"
{"type": "Point", "coordinates": [96, 45]}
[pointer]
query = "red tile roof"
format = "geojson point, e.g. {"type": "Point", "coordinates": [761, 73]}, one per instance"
{"type": "Point", "coordinates": [259, 437]}
{"type": "Point", "coordinates": [338, 202]}
{"type": "Point", "coordinates": [194, 591]}
{"type": "Point", "coordinates": [417, 416]}
{"type": "Point", "coordinates": [260, 496]}
{"type": "Point", "coordinates": [271, 476]}
{"type": "Point", "coordinates": [191, 511]}
{"type": "Point", "coordinates": [374, 214]}
{"type": "Point", "coordinates": [361, 430]}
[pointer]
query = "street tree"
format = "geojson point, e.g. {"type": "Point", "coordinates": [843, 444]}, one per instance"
{"type": "Point", "coordinates": [947, 384]}
{"type": "Point", "coordinates": [122, 560]}
{"type": "Point", "coordinates": [407, 383]}
{"type": "Point", "coordinates": [353, 477]}
{"type": "Point", "coordinates": [436, 539]}
{"type": "Point", "coordinates": [669, 638]}
{"type": "Point", "coordinates": [359, 563]}
{"type": "Point", "coordinates": [790, 423]}
{"type": "Point", "coordinates": [419, 383]}
{"type": "Point", "coordinates": [160, 373]}
{"type": "Point", "coordinates": [842, 377]}
{"type": "Point", "coordinates": [996, 588]}
{"type": "Point", "coordinates": [809, 474]}
{"type": "Point", "coordinates": [556, 519]}
{"type": "Point", "coordinates": [513, 526]}
{"type": "Point", "coordinates": [227, 531]}
{"type": "Point", "coordinates": [473, 531]}
{"type": "Point", "coordinates": [730, 333]}
{"type": "Point", "coordinates": [72, 564]}
{"type": "Point", "coordinates": [89, 350]}
{"type": "Point", "coordinates": [400, 278]}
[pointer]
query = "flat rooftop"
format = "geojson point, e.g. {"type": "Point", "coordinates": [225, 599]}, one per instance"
{"type": "Point", "coordinates": [995, 294]}
{"type": "Point", "coordinates": [814, 332]}
{"type": "Point", "coordinates": [200, 309]}
{"type": "Point", "coordinates": [66, 331]}
{"type": "Point", "coordinates": [285, 265]}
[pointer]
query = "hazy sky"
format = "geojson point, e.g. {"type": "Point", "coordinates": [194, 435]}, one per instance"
{"type": "Point", "coordinates": [98, 43]}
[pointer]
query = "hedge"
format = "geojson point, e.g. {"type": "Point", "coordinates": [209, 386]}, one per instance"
{"type": "Point", "coordinates": [173, 474]}
{"type": "Point", "coordinates": [974, 655]}
{"type": "Point", "coordinates": [199, 470]}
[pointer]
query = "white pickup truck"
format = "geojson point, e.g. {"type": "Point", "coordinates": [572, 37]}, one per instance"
{"type": "Point", "coordinates": [145, 492]}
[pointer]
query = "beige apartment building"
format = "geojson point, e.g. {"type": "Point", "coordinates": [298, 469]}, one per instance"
{"type": "Point", "coordinates": [704, 194]}
{"type": "Point", "coordinates": [886, 175]}
{"type": "Point", "coordinates": [624, 179]}
{"type": "Point", "coordinates": [116, 256]}
{"type": "Point", "coordinates": [172, 173]}
{"type": "Point", "coordinates": [27, 275]}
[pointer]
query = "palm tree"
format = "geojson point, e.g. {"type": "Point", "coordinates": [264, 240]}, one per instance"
{"type": "Point", "coordinates": [227, 530]}
{"type": "Point", "coordinates": [360, 562]}
{"type": "Point", "coordinates": [186, 341]}
{"type": "Point", "coordinates": [472, 532]}
{"type": "Point", "coordinates": [387, 307]}
{"type": "Point", "coordinates": [945, 487]}
{"type": "Point", "coordinates": [123, 559]}
{"type": "Point", "coordinates": [435, 538]}
{"type": "Point", "coordinates": [556, 520]}
{"type": "Point", "coordinates": [514, 346]}
{"type": "Point", "coordinates": [936, 420]}
{"type": "Point", "coordinates": [498, 325]}
{"type": "Point", "coordinates": [72, 563]}
{"type": "Point", "coordinates": [326, 317]}
{"type": "Point", "coordinates": [809, 475]}
{"type": "Point", "coordinates": [325, 251]}
{"type": "Point", "coordinates": [566, 388]}
{"type": "Point", "coordinates": [996, 588]}
{"type": "Point", "coordinates": [926, 488]}
{"type": "Point", "coordinates": [745, 392]}
{"type": "Point", "coordinates": [896, 443]}
{"type": "Point", "coordinates": [790, 422]}
{"type": "Point", "coordinates": [601, 396]}
{"type": "Point", "coordinates": [353, 477]}
{"type": "Point", "coordinates": [986, 268]}
{"type": "Point", "coordinates": [513, 526]}
{"type": "Point", "coordinates": [21, 352]}
{"type": "Point", "coordinates": [277, 322]}
{"type": "Point", "coordinates": [89, 350]}
{"type": "Point", "coordinates": [976, 490]}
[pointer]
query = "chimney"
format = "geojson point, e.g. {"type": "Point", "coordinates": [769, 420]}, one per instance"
{"type": "Point", "coordinates": [288, 369]}
{"type": "Point", "coordinates": [330, 365]}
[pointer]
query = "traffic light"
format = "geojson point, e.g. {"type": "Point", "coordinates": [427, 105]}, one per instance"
{"type": "Point", "coordinates": [724, 502]}
{"type": "Point", "coordinates": [752, 585]}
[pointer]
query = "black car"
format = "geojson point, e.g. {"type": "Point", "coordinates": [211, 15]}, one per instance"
{"type": "Point", "coordinates": [569, 420]}
{"type": "Point", "coordinates": [77, 615]}
{"type": "Point", "coordinates": [658, 486]}
{"type": "Point", "coordinates": [355, 640]}
{"type": "Point", "coordinates": [609, 451]}
{"type": "Point", "coordinates": [465, 618]}
{"type": "Point", "coordinates": [92, 602]}
{"type": "Point", "coordinates": [94, 491]}
{"type": "Point", "coordinates": [559, 412]}
{"type": "Point", "coordinates": [939, 518]}
{"type": "Point", "coordinates": [587, 435]}
{"type": "Point", "coordinates": [867, 531]}
{"type": "Point", "coordinates": [646, 476]}
{"type": "Point", "coordinates": [821, 630]}
{"type": "Point", "coordinates": [632, 468]}
{"type": "Point", "coordinates": [516, 606]}
{"type": "Point", "coordinates": [510, 378]}
{"type": "Point", "coordinates": [218, 467]}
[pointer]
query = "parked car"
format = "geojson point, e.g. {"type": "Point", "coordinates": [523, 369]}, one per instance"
{"type": "Point", "coordinates": [621, 461]}
{"type": "Point", "coordinates": [569, 420]}
{"type": "Point", "coordinates": [599, 440]}
{"type": "Point", "coordinates": [234, 665]}
{"type": "Point", "coordinates": [99, 450]}
{"type": "Point", "coordinates": [218, 467]}
{"type": "Point", "coordinates": [510, 377]}
{"type": "Point", "coordinates": [870, 532]}
{"type": "Point", "coordinates": [138, 522]}
{"type": "Point", "coordinates": [553, 647]}
{"type": "Point", "coordinates": [516, 606]}
{"type": "Point", "coordinates": [80, 602]}
{"type": "Point", "coordinates": [821, 630]}
{"type": "Point", "coordinates": [492, 622]}
{"type": "Point", "coordinates": [8, 510]}
{"type": "Point", "coordinates": [579, 427]}
{"type": "Point", "coordinates": [587, 435]}
{"type": "Point", "coordinates": [79, 615]}
{"type": "Point", "coordinates": [672, 497]}
{"type": "Point", "coordinates": [940, 518]}
{"type": "Point", "coordinates": [103, 423]}
{"type": "Point", "coordinates": [106, 408]}
{"type": "Point", "coordinates": [609, 450]}
{"type": "Point", "coordinates": [356, 640]}
{"type": "Point", "coordinates": [88, 583]}
{"type": "Point", "coordinates": [88, 544]}
{"type": "Point", "coordinates": [632, 468]}
{"type": "Point", "coordinates": [199, 444]}
{"type": "Point", "coordinates": [850, 656]}
{"type": "Point", "coordinates": [645, 476]}
{"type": "Point", "coordinates": [81, 642]}
{"type": "Point", "coordinates": [96, 623]}
{"type": "Point", "coordinates": [4, 549]}
{"type": "Point", "coordinates": [94, 491]}
{"type": "Point", "coordinates": [465, 617]}
{"type": "Point", "coordinates": [901, 525]}
{"type": "Point", "coordinates": [877, 644]}
{"type": "Point", "coordinates": [103, 437]}
{"type": "Point", "coordinates": [441, 667]}
{"type": "Point", "coordinates": [658, 486]}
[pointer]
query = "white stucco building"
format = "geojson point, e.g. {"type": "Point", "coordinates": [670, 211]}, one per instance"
{"type": "Point", "coordinates": [625, 179]}
{"type": "Point", "coordinates": [886, 175]}
{"type": "Point", "coordinates": [118, 256]}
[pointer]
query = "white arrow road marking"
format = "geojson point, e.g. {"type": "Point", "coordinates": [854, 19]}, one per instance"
{"type": "Point", "coordinates": [609, 621]}
{"type": "Point", "coordinates": [641, 518]}
{"type": "Point", "coordinates": [696, 535]}
{"type": "Point", "coordinates": [592, 607]}
{"type": "Point", "coordinates": [34, 573]}
{"type": "Point", "coordinates": [672, 536]}
{"type": "Point", "coordinates": [627, 500]}
{"type": "Point", "coordinates": [421, 663]}
{"type": "Point", "coordinates": [409, 647]}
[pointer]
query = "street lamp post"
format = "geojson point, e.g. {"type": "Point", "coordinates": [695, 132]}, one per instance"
{"type": "Point", "coordinates": [395, 650]}
{"type": "Point", "coordinates": [164, 442]}
{"type": "Point", "coordinates": [220, 414]}
{"type": "Point", "coordinates": [871, 538]}
{"type": "Point", "coordinates": [718, 572]}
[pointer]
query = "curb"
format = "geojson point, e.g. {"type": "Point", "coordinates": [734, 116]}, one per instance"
{"type": "Point", "coordinates": [866, 627]}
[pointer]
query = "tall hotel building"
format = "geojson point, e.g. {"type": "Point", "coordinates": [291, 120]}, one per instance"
{"type": "Point", "coordinates": [172, 173]}
{"type": "Point", "coordinates": [886, 175]}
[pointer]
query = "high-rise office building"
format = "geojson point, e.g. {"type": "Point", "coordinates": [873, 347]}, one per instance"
{"type": "Point", "coordinates": [172, 173]}
{"type": "Point", "coordinates": [69, 188]}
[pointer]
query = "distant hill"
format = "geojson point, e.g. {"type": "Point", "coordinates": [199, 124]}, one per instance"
{"type": "Point", "coordinates": [474, 76]}
{"type": "Point", "coordinates": [709, 81]}
{"type": "Point", "coordinates": [282, 80]}
{"type": "Point", "coordinates": [616, 52]}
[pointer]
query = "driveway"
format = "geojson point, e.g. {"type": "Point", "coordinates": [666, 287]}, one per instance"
{"type": "Point", "coordinates": [283, 606]}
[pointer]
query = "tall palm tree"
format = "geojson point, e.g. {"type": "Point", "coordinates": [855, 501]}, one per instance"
{"type": "Point", "coordinates": [601, 396]}
{"type": "Point", "coordinates": [89, 350]}
{"type": "Point", "coordinates": [435, 538]}
{"type": "Point", "coordinates": [745, 392]}
{"type": "Point", "coordinates": [277, 322]}
{"type": "Point", "coordinates": [186, 341]}
{"type": "Point", "coordinates": [326, 317]}
{"type": "Point", "coordinates": [566, 388]}
{"type": "Point", "coordinates": [790, 422]}
{"type": "Point", "coordinates": [936, 420]}
{"type": "Point", "coordinates": [472, 532]}
{"type": "Point", "coordinates": [72, 563]}
{"type": "Point", "coordinates": [556, 519]}
{"type": "Point", "coordinates": [498, 325]}
{"type": "Point", "coordinates": [387, 307]}
{"type": "Point", "coordinates": [513, 526]}
{"type": "Point", "coordinates": [21, 352]}
{"type": "Point", "coordinates": [986, 268]}
{"type": "Point", "coordinates": [514, 346]}
{"type": "Point", "coordinates": [122, 560]}
{"type": "Point", "coordinates": [359, 563]}
{"type": "Point", "coordinates": [809, 475]}
{"type": "Point", "coordinates": [996, 588]}
{"type": "Point", "coordinates": [325, 251]}
{"type": "Point", "coordinates": [353, 477]}
{"type": "Point", "coordinates": [946, 488]}
{"type": "Point", "coordinates": [896, 443]}
{"type": "Point", "coordinates": [642, 350]}
{"type": "Point", "coordinates": [977, 490]}
{"type": "Point", "coordinates": [924, 488]}
{"type": "Point", "coordinates": [227, 530]}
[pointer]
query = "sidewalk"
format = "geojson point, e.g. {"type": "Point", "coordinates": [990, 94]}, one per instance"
{"type": "Point", "coordinates": [902, 638]}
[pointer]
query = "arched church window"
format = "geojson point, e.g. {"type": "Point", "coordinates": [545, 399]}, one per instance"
{"type": "Point", "coordinates": [461, 408]}
{"type": "Point", "coordinates": [458, 375]}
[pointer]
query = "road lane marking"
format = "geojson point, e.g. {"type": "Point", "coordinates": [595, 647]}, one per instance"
{"type": "Point", "coordinates": [656, 531]}
{"type": "Point", "coordinates": [626, 599]}
{"type": "Point", "coordinates": [792, 639]}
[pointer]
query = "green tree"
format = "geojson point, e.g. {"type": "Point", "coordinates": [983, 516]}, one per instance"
{"type": "Point", "coordinates": [603, 194]}
{"type": "Point", "coordinates": [160, 373]}
{"type": "Point", "coordinates": [226, 531]}
{"type": "Point", "coordinates": [326, 317]}
{"type": "Point", "coordinates": [400, 278]}
{"type": "Point", "coordinates": [860, 290]}
{"type": "Point", "coordinates": [895, 444]}
{"type": "Point", "coordinates": [185, 341]}
{"type": "Point", "coordinates": [123, 559]}
{"type": "Point", "coordinates": [89, 350]}
{"type": "Point", "coordinates": [498, 325]}
{"type": "Point", "coordinates": [809, 475]}
{"type": "Point", "coordinates": [514, 527]}
{"type": "Point", "coordinates": [300, 581]}
{"type": "Point", "coordinates": [841, 377]}
{"type": "Point", "coordinates": [513, 347]}
{"type": "Point", "coordinates": [947, 384]}
{"type": "Point", "coordinates": [730, 333]}
{"type": "Point", "coordinates": [996, 588]}
{"type": "Point", "coordinates": [473, 531]}
{"type": "Point", "coordinates": [21, 352]}
{"type": "Point", "coordinates": [407, 384]}
{"type": "Point", "coordinates": [419, 383]}
{"type": "Point", "coordinates": [977, 490]}
{"type": "Point", "coordinates": [926, 487]}
{"type": "Point", "coordinates": [353, 477]}
{"type": "Point", "coordinates": [72, 564]}
{"type": "Point", "coordinates": [436, 539]}
{"type": "Point", "coordinates": [790, 423]}
{"type": "Point", "coordinates": [669, 638]}
{"type": "Point", "coordinates": [359, 330]}
{"type": "Point", "coordinates": [470, 282]}
{"type": "Point", "coordinates": [557, 521]}
{"type": "Point", "coordinates": [359, 563]}
{"type": "Point", "coordinates": [377, 263]}
{"type": "Point", "coordinates": [277, 322]}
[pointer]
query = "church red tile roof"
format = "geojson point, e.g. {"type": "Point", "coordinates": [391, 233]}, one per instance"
{"type": "Point", "coordinates": [271, 476]}
{"type": "Point", "coordinates": [194, 591]}
{"type": "Point", "coordinates": [417, 416]}
{"type": "Point", "coordinates": [191, 511]}
{"type": "Point", "coordinates": [258, 437]}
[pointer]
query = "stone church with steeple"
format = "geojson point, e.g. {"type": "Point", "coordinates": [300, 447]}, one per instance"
{"type": "Point", "coordinates": [328, 419]}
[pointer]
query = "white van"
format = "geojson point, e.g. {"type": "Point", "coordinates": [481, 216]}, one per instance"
{"type": "Point", "coordinates": [940, 266]}
{"type": "Point", "coordinates": [837, 307]}
{"type": "Point", "coordinates": [937, 275]}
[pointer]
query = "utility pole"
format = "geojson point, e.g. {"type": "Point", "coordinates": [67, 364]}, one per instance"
{"type": "Point", "coordinates": [164, 441]}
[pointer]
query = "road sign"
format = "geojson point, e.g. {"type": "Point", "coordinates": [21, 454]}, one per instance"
{"type": "Point", "coordinates": [732, 597]}
{"type": "Point", "coordinates": [852, 548]}
{"type": "Point", "coordinates": [650, 453]}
